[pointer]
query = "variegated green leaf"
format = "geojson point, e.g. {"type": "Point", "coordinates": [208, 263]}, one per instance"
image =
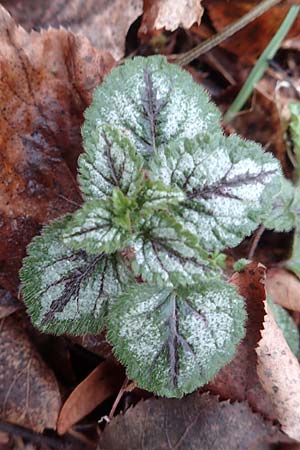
{"type": "Point", "coordinates": [109, 161]}
{"type": "Point", "coordinates": [175, 341]}
{"type": "Point", "coordinates": [66, 291]}
{"type": "Point", "coordinates": [223, 180]}
{"type": "Point", "coordinates": [153, 102]}
{"type": "Point", "coordinates": [284, 211]}
{"type": "Point", "coordinates": [166, 254]}
{"type": "Point", "coordinates": [158, 196]}
{"type": "Point", "coordinates": [286, 324]}
{"type": "Point", "coordinates": [93, 229]}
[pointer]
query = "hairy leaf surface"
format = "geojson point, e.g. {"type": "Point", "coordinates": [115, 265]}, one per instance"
{"type": "Point", "coordinates": [66, 291]}
{"type": "Point", "coordinates": [109, 161]}
{"type": "Point", "coordinates": [284, 214]}
{"type": "Point", "coordinates": [154, 101]}
{"type": "Point", "coordinates": [223, 180]}
{"type": "Point", "coordinates": [93, 229]}
{"type": "Point", "coordinates": [167, 254]}
{"type": "Point", "coordinates": [158, 196]}
{"type": "Point", "coordinates": [175, 341]}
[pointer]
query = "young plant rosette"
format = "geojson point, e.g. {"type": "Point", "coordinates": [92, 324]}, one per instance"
{"type": "Point", "coordinates": [164, 193]}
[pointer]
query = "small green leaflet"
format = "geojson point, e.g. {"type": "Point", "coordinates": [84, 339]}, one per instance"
{"type": "Point", "coordinates": [166, 254]}
{"type": "Point", "coordinates": [92, 229]}
{"type": "Point", "coordinates": [154, 101]}
{"type": "Point", "coordinates": [171, 341]}
{"type": "Point", "coordinates": [284, 214]}
{"type": "Point", "coordinates": [223, 180]}
{"type": "Point", "coordinates": [68, 292]}
{"type": "Point", "coordinates": [294, 128]}
{"type": "Point", "coordinates": [286, 324]}
{"type": "Point", "coordinates": [158, 196]}
{"type": "Point", "coordinates": [109, 161]}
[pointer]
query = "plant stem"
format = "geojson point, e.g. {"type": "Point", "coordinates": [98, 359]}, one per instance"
{"type": "Point", "coordinates": [258, 234]}
{"type": "Point", "coordinates": [186, 58]}
{"type": "Point", "coordinates": [262, 64]}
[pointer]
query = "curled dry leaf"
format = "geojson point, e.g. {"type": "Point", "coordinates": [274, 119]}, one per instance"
{"type": "Point", "coordinates": [222, 14]}
{"type": "Point", "coordinates": [8, 304]}
{"type": "Point", "coordinates": [46, 83]}
{"type": "Point", "coordinates": [104, 23]}
{"type": "Point", "coordinates": [279, 372]}
{"type": "Point", "coordinates": [170, 15]}
{"type": "Point", "coordinates": [104, 381]}
{"type": "Point", "coordinates": [238, 380]}
{"type": "Point", "coordinates": [191, 423]}
{"type": "Point", "coordinates": [284, 288]}
{"type": "Point", "coordinates": [29, 393]}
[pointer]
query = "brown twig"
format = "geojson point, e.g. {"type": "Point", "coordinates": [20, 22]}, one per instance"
{"type": "Point", "coordinates": [54, 442]}
{"type": "Point", "coordinates": [257, 236]}
{"type": "Point", "coordinates": [209, 44]}
{"type": "Point", "coordinates": [126, 387]}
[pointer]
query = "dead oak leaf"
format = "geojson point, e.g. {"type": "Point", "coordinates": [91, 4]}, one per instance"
{"type": "Point", "coordinates": [29, 393]}
{"type": "Point", "coordinates": [46, 83]}
{"type": "Point", "coordinates": [170, 15]}
{"type": "Point", "coordinates": [238, 380]}
{"type": "Point", "coordinates": [191, 423]}
{"type": "Point", "coordinates": [279, 372]}
{"type": "Point", "coordinates": [104, 22]}
{"type": "Point", "coordinates": [284, 288]}
{"type": "Point", "coordinates": [8, 304]}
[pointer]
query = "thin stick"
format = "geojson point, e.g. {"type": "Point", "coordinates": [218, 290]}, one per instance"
{"type": "Point", "coordinates": [32, 436]}
{"type": "Point", "coordinates": [256, 239]}
{"type": "Point", "coordinates": [262, 64]}
{"type": "Point", "coordinates": [54, 442]}
{"type": "Point", "coordinates": [228, 31]}
{"type": "Point", "coordinates": [126, 387]}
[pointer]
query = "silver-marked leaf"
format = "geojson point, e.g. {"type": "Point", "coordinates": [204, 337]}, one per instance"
{"type": "Point", "coordinates": [154, 101]}
{"type": "Point", "coordinates": [158, 196]}
{"type": "Point", "coordinates": [68, 292]}
{"type": "Point", "coordinates": [223, 179]}
{"type": "Point", "coordinates": [109, 161]}
{"type": "Point", "coordinates": [93, 229]}
{"type": "Point", "coordinates": [284, 213]}
{"type": "Point", "coordinates": [175, 341]}
{"type": "Point", "coordinates": [166, 254]}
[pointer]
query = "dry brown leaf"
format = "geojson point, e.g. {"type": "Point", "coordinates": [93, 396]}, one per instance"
{"type": "Point", "coordinates": [279, 372]}
{"type": "Point", "coordinates": [8, 304]}
{"type": "Point", "coordinates": [223, 13]}
{"type": "Point", "coordinates": [284, 288]}
{"type": "Point", "coordinates": [261, 121]}
{"type": "Point", "coordinates": [238, 380]}
{"type": "Point", "coordinates": [191, 423]}
{"type": "Point", "coordinates": [170, 15]}
{"type": "Point", "coordinates": [104, 22]}
{"type": "Point", "coordinates": [47, 80]}
{"type": "Point", "coordinates": [103, 382]}
{"type": "Point", "coordinates": [29, 393]}
{"type": "Point", "coordinates": [96, 343]}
